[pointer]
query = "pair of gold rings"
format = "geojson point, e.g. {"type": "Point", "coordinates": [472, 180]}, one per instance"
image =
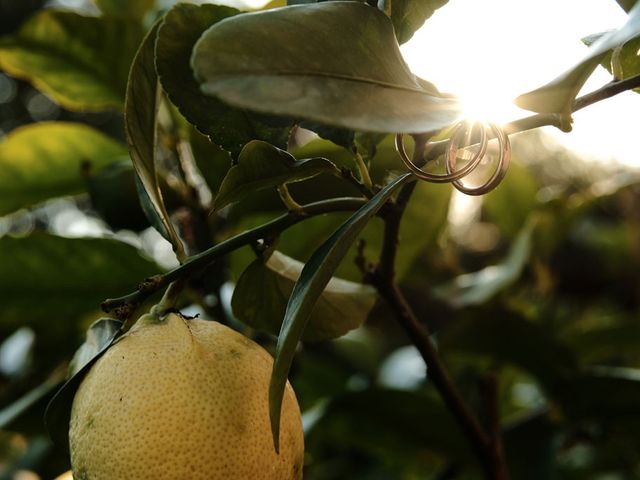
{"type": "Point", "coordinates": [463, 134]}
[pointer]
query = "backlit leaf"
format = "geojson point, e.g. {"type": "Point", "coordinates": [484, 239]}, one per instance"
{"type": "Point", "coordinates": [45, 160]}
{"type": "Point", "coordinates": [261, 294]}
{"type": "Point", "coordinates": [49, 282]}
{"type": "Point", "coordinates": [364, 87]}
{"type": "Point", "coordinates": [558, 95]}
{"type": "Point", "coordinates": [80, 62]}
{"type": "Point", "coordinates": [125, 8]}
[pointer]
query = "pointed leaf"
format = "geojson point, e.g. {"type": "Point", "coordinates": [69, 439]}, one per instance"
{"type": "Point", "coordinates": [558, 95]}
{"type": "Point", "coordinates": [247, 61]}
{"type": "Point", "coordinates": [228, 127]}
{"type": "Point", "coordinates": [261, 294]}
{"type": "Point", "coordinates": [80, 62]}
{"type": "Point", "coordinates": [45, 160]}
{"type": "Point", "coordinates": [261, 165]}
{"type": "Point", "coordinates": [143, 97]}
{"type": "Point", "coordinates": [314, 277]}
{"type": "Point", "coordinates": [100, 336]}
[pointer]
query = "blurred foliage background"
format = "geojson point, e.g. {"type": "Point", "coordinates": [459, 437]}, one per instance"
{"type": "Point", "coordinates": [537, 283]}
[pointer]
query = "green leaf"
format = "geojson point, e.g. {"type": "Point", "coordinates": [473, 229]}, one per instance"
{"type": "Point", "coordinates": [558, 95]}
{"type": "Point", "coordinates": [261, 294]}
{"type": "Point", "coordinates": [49, 282]}
{"type": "Point", "coordinates": [100, 336]}
{"type": "Point", "coordinates": [261, 165]}
{"type": "Point", "coordinates": [125, 8]}
{"type": "Point", "coordinates": [314, 277]}
{"type": "Point", "coordinates": [479, 287]}
{"type": "Point", "coordinates": [409, 15]}
{"type": "Point", "coordinates": [512, 339]}
{"type": "Point", "coordinates": [141, 107]}
{"type": "Point", "coordinates": [80, 62]}
{"type": "Point", "coordinates": [348, 70]}
{"type": "Point", "coordinates": [45, 160]}
{"type": "Point", "coordinates": [228, 127]}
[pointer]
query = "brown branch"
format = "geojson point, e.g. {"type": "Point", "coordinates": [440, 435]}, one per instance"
{"type": "Point", "coordinates": [420, 336]}
{"type": "Point", "coordinates": [552, 119]}
{"type": "Point", "coordinates": [124, 306]}
{"type": "Point", "coordinates": [489, 389]}
{"type": "Point", "coordinates": [383, 279]}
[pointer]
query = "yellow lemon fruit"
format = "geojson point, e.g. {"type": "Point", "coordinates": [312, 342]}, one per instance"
{"type": "Point", "coordinates": [182, 399]}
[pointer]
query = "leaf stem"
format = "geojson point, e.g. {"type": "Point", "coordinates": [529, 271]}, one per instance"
{"type": "Point", "coordinates": [365, 178]}
{"type": "Point", "coordinates": [288, 200]}
{"type": "Point", "coordinates": [124, 306]}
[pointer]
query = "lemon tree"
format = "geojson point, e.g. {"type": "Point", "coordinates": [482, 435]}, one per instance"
{"type": "Point", "coordinates": [282, 172]}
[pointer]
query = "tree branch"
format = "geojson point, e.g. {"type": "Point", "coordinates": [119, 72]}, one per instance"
{"type": "Point", "coordinates": [487, 446]}
{"type": "Point", "coordinates": [552, 119]}
{"type": "Point", "coordinates": [124, 306]}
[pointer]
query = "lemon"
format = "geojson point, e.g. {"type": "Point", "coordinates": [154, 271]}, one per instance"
{"type": "Point", "coordinates": [182, 399]}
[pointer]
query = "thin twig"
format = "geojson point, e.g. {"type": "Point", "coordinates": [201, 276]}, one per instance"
{"type": "Point", "coordinates": [552, 119]}
{"type": "Point", "coordinates": [128, 303]}
{"type": "Point", "coordinates": [489, 389]}
{"type": "Point", "coordinates": [421, 339]}
{"type": "Point", "coordinates": [383, 278]}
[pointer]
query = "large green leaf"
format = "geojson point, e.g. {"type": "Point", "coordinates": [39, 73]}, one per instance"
{"type": "Point", "coordinates": [409, 15]}
{"type": "Point", "coordinates": [80, 62]}
{"type": "Point", "coordinates": [142, 102]}
{"type": "Point", "coordinates": [125, 8]}
{"type": "Point", "coordinates": [45, 160]}
{"type": "Point", "coordinates": [558, 95]}
{"type": "Point", "coordinates": [228, 127]}
{"type": "Point", "coordinates": [261, 294]}
{"type": "Point", "coordinates": [261, 165]}
{"type": "Point", "coordinates": [346, 69]}
{"type": "Point", "coordinates": [313, 279]}
{"type": "Point", "coordinates": [51, 282]}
